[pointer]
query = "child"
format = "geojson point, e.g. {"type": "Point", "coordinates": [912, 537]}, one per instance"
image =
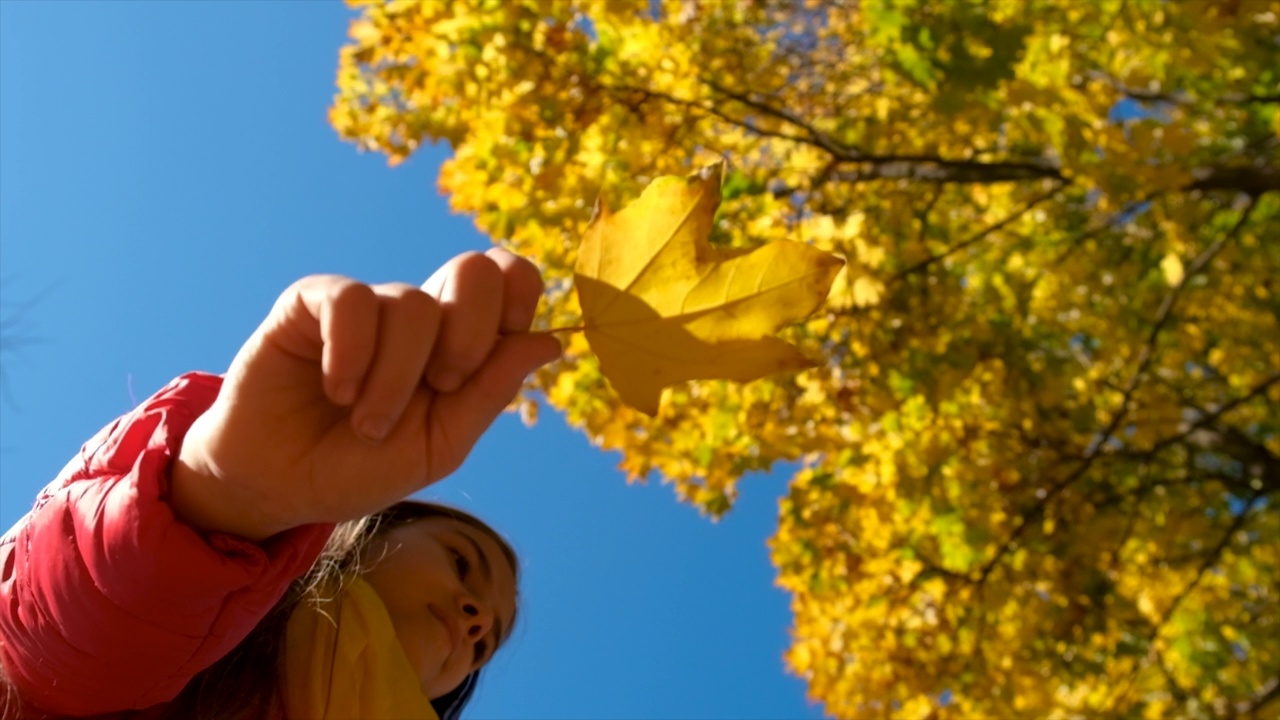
{"type": "Point", "coordinates": [238, 548]}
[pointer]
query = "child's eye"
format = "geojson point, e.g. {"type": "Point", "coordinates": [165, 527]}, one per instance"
{"type": "Point", "coordinates": [461, 564]}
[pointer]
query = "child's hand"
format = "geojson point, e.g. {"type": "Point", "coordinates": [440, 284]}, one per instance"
{"type": "Point", "coordinates": [297, 432]}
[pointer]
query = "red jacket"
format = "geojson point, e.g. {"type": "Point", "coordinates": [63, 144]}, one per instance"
{"type": "Point", "coordinates": [107, 601]}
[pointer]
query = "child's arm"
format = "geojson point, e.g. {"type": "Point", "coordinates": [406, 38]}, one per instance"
{"type": "Point", "coordinates": [107, 602]}
{"type": "Point", "coordinates": [155, 553]}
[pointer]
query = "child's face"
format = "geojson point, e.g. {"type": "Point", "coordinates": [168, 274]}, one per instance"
{"type": "Point", "coordinates": [451, 595]}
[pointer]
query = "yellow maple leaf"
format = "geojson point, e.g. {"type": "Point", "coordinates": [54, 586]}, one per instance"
{"type": "Point", "coordinates": [661, 306]}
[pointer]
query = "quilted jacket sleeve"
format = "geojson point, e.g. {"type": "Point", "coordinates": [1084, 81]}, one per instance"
{"type": "Point", "coordinates": [107, 601]}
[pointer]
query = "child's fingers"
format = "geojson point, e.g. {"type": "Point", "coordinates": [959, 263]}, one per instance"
{"type": "Point", "coordinates": [461, 417]}
{"type": "Point", "coordinates": [348, 326]}
{"type": "Point", "coordinates": [407, 325]}
{"type": "Point", "coordinates": [332, 320]}
{"type": "Point", "coordinates": [522, 288]}
{"type": "Point", "coordinates": [469, 290]}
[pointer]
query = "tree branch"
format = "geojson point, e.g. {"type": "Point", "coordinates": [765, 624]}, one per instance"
{"type": "Point", "coordinates": [896, 166]}
{"type": "Point", "coordinates": [923, 168]}
{"type": "Point", "coordinates": [1144, 359]}
{"type": "Point", "coordinates": [1162, 316]}
{"type": "Point", "coordinates": [816, 137]}
{"type": "Point", "coordinates": [1207, 418]}
{"type": "Point", "coordinates": [1214, 556]}
{"type": "Point", "coordinates": [1246, 179]}
{"type": "Point", "coordinates": [978, 236]}
{"type": "Point", "coordinates": [933, 168]}
{"type": "Point", "coordinates": [1251, 710]}
{"type": "Point", "coordinates": [1177, 97]}
{"type": "Point", "coordinates": [712, 110]}
{"type": "Point", "coordinates": [1174, 688]}
{"type": "Point", "coordinates": [1212, 560]}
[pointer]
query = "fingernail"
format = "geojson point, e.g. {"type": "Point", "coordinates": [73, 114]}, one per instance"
{"type": "Point", "coordinates": [374, 428]}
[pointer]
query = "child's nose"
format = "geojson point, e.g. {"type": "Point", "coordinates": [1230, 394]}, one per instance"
{"type": "Point", "coordinates": [477, 617]}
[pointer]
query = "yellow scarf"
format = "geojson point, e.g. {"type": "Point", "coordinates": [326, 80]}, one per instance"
{"type": "Point", "coordinates": [342, 661]}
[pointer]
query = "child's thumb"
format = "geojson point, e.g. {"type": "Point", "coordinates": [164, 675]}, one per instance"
{"type": "Point", "coordinates": [472, 408]}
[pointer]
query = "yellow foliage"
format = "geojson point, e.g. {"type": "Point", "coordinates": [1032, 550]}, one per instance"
{"type": "Point", "coordinates": [1172, 268]}
{"type": "Point", "coordinates": [1039, 467]}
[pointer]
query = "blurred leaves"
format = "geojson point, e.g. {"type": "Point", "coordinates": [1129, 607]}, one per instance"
{"type": "Point", "coordinates": [1039, 470]}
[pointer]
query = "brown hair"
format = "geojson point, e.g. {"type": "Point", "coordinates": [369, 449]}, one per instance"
{"type": "Point", "coordinates": [243, 685]}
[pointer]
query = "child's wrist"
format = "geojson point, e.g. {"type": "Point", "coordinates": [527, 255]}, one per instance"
{"type": "Point", "coordinates": [203, 499]}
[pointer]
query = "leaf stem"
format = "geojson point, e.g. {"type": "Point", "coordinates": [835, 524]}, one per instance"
{"type": "Point", "coordinates": [566, 329]}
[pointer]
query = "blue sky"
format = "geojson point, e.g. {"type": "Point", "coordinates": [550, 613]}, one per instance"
{"type": "Point", "coordinates": [166, 170]}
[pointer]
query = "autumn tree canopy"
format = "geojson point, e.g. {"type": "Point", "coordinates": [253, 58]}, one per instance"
{"type": "Point", "coordinates": [1040, 467]}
